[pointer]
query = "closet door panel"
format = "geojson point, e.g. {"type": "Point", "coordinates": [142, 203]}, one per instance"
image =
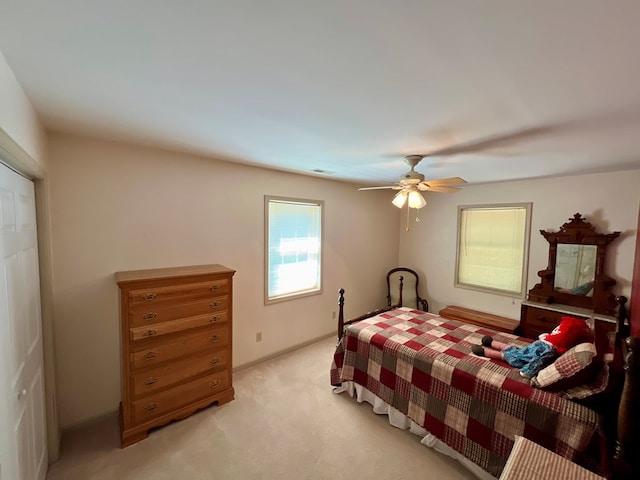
{"type": "Point", "coordinates": [23, 439]}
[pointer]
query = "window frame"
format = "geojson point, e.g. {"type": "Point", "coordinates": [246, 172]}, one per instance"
{"type": "Point", "coordinates": [528, 206]}
{"type": "Point", "coordinates": [303, 293]}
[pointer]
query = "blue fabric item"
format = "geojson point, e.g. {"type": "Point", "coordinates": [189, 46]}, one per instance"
{"type": "Point", "coordinates": [583, 289]}
{"type": "Point", "coordinates": [532, 358]}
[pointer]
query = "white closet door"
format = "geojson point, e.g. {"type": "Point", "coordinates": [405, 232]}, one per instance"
{"type": "Point", "coordinates": [23, 447]}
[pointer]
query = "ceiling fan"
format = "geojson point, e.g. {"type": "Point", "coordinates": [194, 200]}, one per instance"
{"type": "Point", "coordinates": [412, 183]}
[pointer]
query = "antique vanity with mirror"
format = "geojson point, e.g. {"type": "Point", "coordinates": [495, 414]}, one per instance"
{"type": "Point", "coordinates": [574, 283]}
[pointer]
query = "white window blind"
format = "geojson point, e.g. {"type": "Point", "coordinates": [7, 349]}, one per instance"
{"type": "Point", "coordinates": [293, 248]}
{"type": "Point", "coordinates": [493, 244]}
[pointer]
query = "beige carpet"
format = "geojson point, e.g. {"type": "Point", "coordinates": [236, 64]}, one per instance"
{"type": "Point", "coordinates": [285, 423]}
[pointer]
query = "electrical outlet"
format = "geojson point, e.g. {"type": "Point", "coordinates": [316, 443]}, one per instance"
{"type": "Point", "coordinates": [259, 337]}
{"type": "Point", "coordinates": [333, 314]}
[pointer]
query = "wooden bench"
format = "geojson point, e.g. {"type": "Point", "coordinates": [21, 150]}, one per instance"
{"type": "Point", "coordinates": [482, 319]}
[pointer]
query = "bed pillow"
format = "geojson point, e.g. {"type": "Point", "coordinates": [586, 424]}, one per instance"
{"type": "Point", "coordinates": [576, 367]}
{"type": "Point", "coordinates": [597, 385]}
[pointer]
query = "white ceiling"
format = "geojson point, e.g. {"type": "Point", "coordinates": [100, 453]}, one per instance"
{"type": "Point", "coordinates": [346, 86]}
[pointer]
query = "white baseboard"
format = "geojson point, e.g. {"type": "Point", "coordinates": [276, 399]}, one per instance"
{"type": "Point", "coordinates": [285, 351]}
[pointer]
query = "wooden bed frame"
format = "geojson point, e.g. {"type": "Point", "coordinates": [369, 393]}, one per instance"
{"type": "Point", "coordinates": [621, 424]}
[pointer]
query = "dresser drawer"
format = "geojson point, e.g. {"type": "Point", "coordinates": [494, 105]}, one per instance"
{"type": "Point", "coordinates": [171, 349]}
{"type": "Point", "coordinates": [537, 321]}
{"type": "Point", "coordinates": [541, 321]}
{"type": "Point", "coordinates": [163, 402]}
{"type": "Point", "coordinates": [159, 378]}
{"type": "Point", "coordinates": [173, 326]}
{"type": "Point", "coordinates": [181, 292]}
{"type": "Point", "coordinates": [147, 315]}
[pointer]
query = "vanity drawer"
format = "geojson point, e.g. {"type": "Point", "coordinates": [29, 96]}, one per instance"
{"type": "Point", "coordinates": [155, 405]}
{"type": "Point", "coordinates": [173, 326]}
{"type": "Point", "coordinates": [148, 315]}
{"type": "Point", "coordinates": [155, 379]}
{"type": "Point", "coordinates": [189, 291]}
{"type": "Point", "coordinates": [545, 319]}
{"type": "Point", "coordinates": [537, 321]}
{"type": "Point", "coordinates": [163, 351]}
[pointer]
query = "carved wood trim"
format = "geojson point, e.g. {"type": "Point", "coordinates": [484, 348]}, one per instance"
{"type": "Point", "coordinates": [626, 461]}
{"type": "Point", "coordinates": [577, 231]}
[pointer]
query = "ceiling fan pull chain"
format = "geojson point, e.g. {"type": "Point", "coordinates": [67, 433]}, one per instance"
{"type": "Point", "coordinates": [408, 210]}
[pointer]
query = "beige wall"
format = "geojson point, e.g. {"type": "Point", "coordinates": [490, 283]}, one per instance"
{"type": "Point", "coordinates": [609, 201]}
{"type": "Point", "coordinates": [118, 207]}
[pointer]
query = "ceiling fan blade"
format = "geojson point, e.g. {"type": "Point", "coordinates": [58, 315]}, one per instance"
{"type": "Point", "coordinates": [446, 181]}
{"type": "Point", "coordinates": [491, 142]}
{"type": "Point", "coordinates": [430, 188]}
{"type": "Point", "coordinates": [394, 187]}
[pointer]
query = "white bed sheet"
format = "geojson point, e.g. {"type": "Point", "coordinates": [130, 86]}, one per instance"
{"type": "Point", "coordinates": [400, 420]}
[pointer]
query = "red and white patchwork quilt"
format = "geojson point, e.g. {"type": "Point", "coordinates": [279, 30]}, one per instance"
{"type": "Point", "coordinates": [422, 365]}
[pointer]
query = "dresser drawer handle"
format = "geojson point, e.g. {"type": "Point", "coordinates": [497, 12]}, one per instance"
{"type": "Point", "coordinates": [150, 381]}
{"type": "Point", "coordinates": [150, 356]}
{"type": "Point", "coordinates": [149, 333]}
{"type": "Point", "coordinates": [151, 407]}
{"type": "Point", "coordinates": [150, 316]}
{"type": "Point", "coordinates": [214, 338]}
{"type": "Point", "coordinates": [215, 288]}
{"type": "Point", "coordinates": [215, 319]}
{"type": "Point", "coordinates": [215, 304]}
{"type": "Point", "coordinates": [149, 296]}
{"type": "Point", "coordinates": [214, 384]}
{"type": "Point", "coordinates": [215, 361]}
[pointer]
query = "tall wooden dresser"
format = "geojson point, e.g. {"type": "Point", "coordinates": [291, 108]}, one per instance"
{"type": "Point", "coordinates": [176, 328]}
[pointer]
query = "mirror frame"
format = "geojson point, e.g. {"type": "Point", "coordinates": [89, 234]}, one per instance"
{"type": "Point", "coordinates": [580, 232]}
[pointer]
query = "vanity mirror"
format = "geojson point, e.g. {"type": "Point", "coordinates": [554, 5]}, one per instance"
{"type": "Point", "coordinates": [575, 274]}
{"type": "Point", "coordinates": [575, 268]}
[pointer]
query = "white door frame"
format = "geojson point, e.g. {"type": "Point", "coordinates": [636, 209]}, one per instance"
{"type": "Point", "coordinates": [13, 155]}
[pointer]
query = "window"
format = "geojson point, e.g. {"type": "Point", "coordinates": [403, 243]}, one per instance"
{"type": "Point", "coordinates": [293, 257]}
{"type": "Point", "coordinates": [493, 247]}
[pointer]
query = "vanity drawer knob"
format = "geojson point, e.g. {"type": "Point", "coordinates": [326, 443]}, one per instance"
{"type": "Point", "coordinates": [149, 333]}
{"type": "Point", "coordinates": [215, 288]}
{"type": "Point", "coordinates": [215, 304]}
{"type": "Point", "coordinates": [214, 384]}
{"type": "Point", "coordinates": [151, 407]}
{"type": "Point", "coordinates": [149, 316]}
{"type": "Point", "coordinates": [150, 356]}
{"type": "Point", "coordinates": [214, 338]}
{"type": "Point", "coordinates": [214, 361]}
{"type": "Point", "coordinates": [150, 381]}
{"type": "Point", "coordinates": [149, 296]}
{"type": "Point", "coordinates": [215, 319]}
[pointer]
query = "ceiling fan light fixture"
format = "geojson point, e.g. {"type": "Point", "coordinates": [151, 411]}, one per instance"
{"type": "Point", "coordinates": [416, 200]}
{"type": "Point", "coordinates": [400, 199]}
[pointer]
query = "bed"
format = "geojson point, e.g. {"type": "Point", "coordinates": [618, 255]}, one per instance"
{"type": "Point", "coordinates": [419, 366]}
